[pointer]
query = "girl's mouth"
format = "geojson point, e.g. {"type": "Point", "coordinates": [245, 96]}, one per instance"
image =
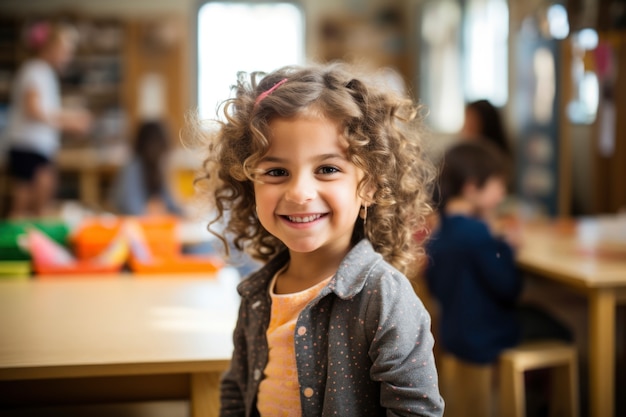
{"type": "Point", "coordinates": [304, 219]}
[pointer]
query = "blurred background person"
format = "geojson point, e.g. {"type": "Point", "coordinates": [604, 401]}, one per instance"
{"type": "Point", "coordinates": [141, 186]}
{"type": "Point", "coordinates": [483, 120]}
{"type": "Point", "coordinates": [472, 274]}
{"type": "Point", "coordinates": [36, 119]}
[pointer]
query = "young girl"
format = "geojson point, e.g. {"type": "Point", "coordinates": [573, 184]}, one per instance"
{"type": "Point", "coordinates": [322, 177]}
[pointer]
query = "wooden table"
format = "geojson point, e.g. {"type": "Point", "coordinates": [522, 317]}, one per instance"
{"type": "Point", "coordinates": [91, 165]}
{"type": "Point", "coordinates": [118, 338]}
{"type": "Point", "coordinates": [553, 251]}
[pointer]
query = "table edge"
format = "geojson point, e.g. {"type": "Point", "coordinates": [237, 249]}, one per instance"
{"type": "Point", "coordinates": [117, 369]}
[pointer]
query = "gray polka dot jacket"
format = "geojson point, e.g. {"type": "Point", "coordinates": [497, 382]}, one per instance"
{"type": "Point", "coordinates": [363, 346]}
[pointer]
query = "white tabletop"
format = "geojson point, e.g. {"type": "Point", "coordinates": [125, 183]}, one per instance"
{"type": "Point", "coordinates": [49, 327]}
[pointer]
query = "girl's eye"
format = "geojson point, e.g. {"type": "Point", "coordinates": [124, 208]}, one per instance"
{"type": "Point", "coordinates": [328, 170]}
{"type": "Point", "coordinates": [276, 172]}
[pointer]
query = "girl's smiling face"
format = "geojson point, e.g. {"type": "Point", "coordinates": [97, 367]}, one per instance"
{"type": "Point", "coordinates": [306, 193]}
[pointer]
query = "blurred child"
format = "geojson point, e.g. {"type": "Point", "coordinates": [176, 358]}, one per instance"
{"type": "Point", "coordinates": [484, 121]}
{"type": "Point", "coordinates": [322, 177]}
{"type": "Point", "coordinates": [36, 119]}
{"type": "Point", "coordinates": [141, 187]}
{"type": "Point", "coordinates": [472, 274]}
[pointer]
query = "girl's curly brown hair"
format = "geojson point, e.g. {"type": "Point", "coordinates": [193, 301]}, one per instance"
{"type": "Point", "coordinates": [382, 131]}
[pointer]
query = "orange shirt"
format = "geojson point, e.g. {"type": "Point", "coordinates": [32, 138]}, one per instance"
{"type": "Point", "coordinates": [279, 391]}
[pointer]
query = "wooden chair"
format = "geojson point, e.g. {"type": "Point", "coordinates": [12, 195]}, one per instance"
{"type": "Point", "coordinates": [560, 356]}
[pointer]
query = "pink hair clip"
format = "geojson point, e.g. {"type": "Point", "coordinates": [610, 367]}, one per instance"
{"type": "Point", "coordinates": [266, 93]}
{"type": "Point", "coordinates": [38, 34]}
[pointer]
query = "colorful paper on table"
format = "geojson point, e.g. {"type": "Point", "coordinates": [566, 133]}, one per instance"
{"type": "Point", "coordinates": [44, 250]}
{"type": "Point", "coordinates": [51, 258]}
{"type": "Point", "coordinates": [11, 231]}
{"type": "Point", "coordinates": [116, 253]}
{"type": "Point", "coordinates": [139, 248]}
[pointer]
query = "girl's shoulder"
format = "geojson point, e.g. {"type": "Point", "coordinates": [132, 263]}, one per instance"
{"type": "Point", "coordinates": [388, 292]}
{"type": "Point", "coordinates": [363, 267]}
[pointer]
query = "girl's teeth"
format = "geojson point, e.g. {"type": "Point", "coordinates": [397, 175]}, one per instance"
{"type": "Point", "coordinates": [304, 219]}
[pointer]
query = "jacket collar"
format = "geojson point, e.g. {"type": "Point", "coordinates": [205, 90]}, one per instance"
{"type": "Point", "coordinates": [347, 282]}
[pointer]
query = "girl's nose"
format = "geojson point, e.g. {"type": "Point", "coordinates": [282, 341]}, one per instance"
{"type": "Point", "coordinates": [300, 189]}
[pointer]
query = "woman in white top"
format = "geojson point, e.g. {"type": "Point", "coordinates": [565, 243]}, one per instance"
{"type": "Point", "coordinates": [36, 119]}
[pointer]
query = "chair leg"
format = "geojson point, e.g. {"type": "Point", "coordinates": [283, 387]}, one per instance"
{"type": "Point", "coordinates": [512, 393]}
{"type": "Point", "coordinates": [564, 396]}
{"type": "Point", "coordinates": [464, 398]}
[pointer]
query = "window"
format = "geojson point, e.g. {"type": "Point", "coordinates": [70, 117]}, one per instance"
{"type": "Point", "coordinates": [586, 58]}
{"type": "Point", "coordinates": [239, 36]}
{"type": "Point", "coordinates": [440, 78]}
{"type": "Point", "coordinates": [464, 56]}
{"type": "Point", "coordinates": [486, 32]}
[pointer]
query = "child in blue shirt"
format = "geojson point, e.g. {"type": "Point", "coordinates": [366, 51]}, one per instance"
{"type": "Point", "coordinates": [471, 272]}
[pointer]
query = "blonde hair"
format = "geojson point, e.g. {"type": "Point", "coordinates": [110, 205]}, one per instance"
{"type": "Point", "coordinates": [384, 141]}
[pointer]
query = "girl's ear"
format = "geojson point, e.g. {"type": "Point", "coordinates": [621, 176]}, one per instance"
{"type": "Point", "coordinates": [367, 194]}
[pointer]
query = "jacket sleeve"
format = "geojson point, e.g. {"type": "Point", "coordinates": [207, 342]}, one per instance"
{"type": "Point", "coordinates": [402, 350]}
{"type": "Point", "coordinates": [232, 400]}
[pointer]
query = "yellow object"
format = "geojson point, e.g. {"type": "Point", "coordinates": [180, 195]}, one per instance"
{"type": "Point", "coordinates": [116, 253]}
{"type": "Point", "coordinates": [14, 269]}
{"type": "Point", "coordinates": [184, 183]}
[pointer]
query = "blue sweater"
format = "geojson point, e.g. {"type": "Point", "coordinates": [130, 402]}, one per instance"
{"type": "Point", "coordinates": [473, 277]}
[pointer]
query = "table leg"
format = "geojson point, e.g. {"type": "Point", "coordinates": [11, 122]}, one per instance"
{"type": "Point", "coordinates": [205, 394]}
{"type": "Point", "coordinates": [602, 353]}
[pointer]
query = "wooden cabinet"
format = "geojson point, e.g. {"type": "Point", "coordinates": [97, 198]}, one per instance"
{"type": "Point", "coordinates": [124, 70]}
{"type": "Point", "coordinates": [9, 53]}
{"type": "Point", "coordinates": [96, 78]}
{"type": "Point", "coordinates": [156, 72]}
{"type": "Point", "coordinates": [609, 155]}
{"type": "Point", "coordinates": [93, 80]}
{"type": "Point", "coordinates": [119, 65]}
{"type": "Point", "coordinates": [376, 39]}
